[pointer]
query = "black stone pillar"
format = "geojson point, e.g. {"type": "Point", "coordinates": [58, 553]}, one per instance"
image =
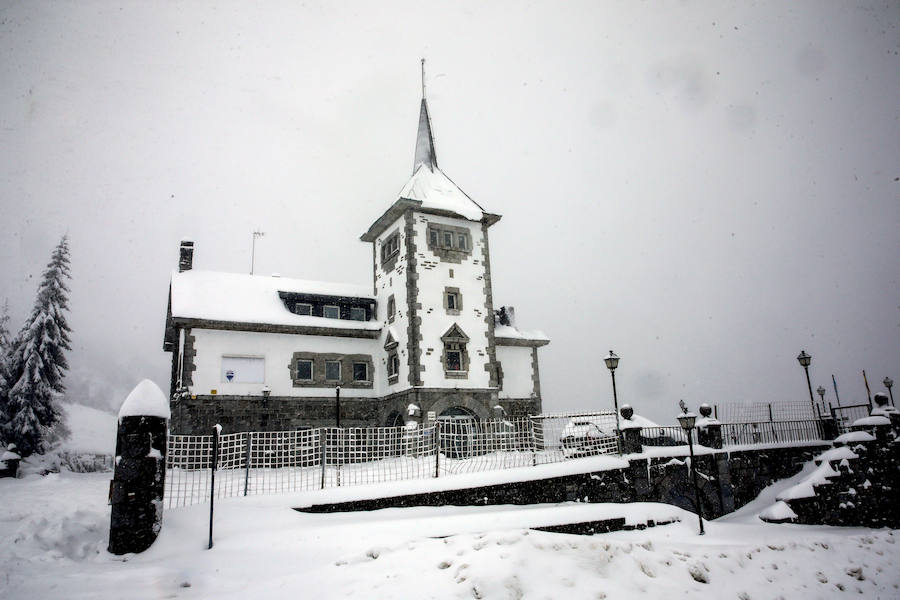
{"type": "Point", "coordinates": [631, 441]}
{"type": "Point", "coordinates": [136, 491]}
{"type": "Point", "coordinates": [829, 427]}
{"type": "Point", "coordinates": [710, 435]}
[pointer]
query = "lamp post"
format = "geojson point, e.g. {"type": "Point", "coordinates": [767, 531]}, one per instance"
{"type": "Point", "coordinates": [686, 420]}
{"type": "Point", "coordinates": [612, 361]}
{"type": "Point", "coordinates": [337, 406]}
{"type": "Point", "coordinates": [889, 383]}
{"type": "Point", "coordinates": [821, 392]}
{"type": "Point", "coordinates": [804, 359]}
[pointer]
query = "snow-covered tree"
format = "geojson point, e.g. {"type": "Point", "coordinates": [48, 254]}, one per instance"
{"type": "Point", "coordinates": [4, 368]}
{"type": "Point", "coordinates": [38, 362]}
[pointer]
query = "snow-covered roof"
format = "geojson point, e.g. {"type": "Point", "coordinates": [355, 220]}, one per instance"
{"type": "Point", "coordinates": [436, 191]}
{"type": "Point", "coordinates": [512, 334]}
{"type": "Point", "coordinates": [240, 298]}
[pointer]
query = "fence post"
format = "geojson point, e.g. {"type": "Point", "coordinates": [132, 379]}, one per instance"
{"type": "Point", "coordinates": [214, 463]}
{"type": "Point", "coordinates": [322, 437]}
{"type": "Point", "coordinates": [772, 424]}
{"type": "Point", "coordinates": [247, 462]}
{"type": "Point", "coordinates": [437, 447]}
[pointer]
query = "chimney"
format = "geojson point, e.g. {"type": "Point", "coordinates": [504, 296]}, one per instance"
{"type": "Point", "coordinates": [186, 256]}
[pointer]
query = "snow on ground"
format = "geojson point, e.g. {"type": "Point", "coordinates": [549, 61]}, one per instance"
{"type": "Point", "coordinates": [54, 531]}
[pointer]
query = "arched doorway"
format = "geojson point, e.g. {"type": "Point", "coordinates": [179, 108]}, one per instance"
{"type": "Point", "coordinates": [459, 432]}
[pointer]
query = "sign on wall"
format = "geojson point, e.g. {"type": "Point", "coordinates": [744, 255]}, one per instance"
{"type": "Point", "coordinates": [243, 369]}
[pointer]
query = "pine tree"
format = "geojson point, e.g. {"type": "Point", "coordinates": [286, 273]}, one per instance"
{"type": "Point", "coordinates": [5, 349]}
{"type": "Point", "coordinates": [38, 362]}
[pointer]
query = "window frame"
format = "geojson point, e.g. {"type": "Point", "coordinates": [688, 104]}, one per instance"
{"type": "Point", "coordinates": [312, 372]}
{"type": "Point", "coordinates": [309, 308]}
{"type": "Point", "coordinates": [361, 310]}
{"type": "Point", "coordinates": [325, 308]}
{"type": "Point", "coordinates": [331, 363]}
{"type": "Point", "coordinates": [365, 367]}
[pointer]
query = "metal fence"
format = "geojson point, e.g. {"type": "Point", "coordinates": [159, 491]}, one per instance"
{"type": "Point", "coordinates": [760, 412]}
{"type": "Point", "coordinates": [254, 463]}
{"type": "Point", "coordinates": [736, 434]}
{"type": "Point", "coordinates": [844, 416]}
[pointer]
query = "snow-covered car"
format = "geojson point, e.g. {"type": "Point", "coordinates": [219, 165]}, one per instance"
{"type": "Point", "coordinates": [584, 437]}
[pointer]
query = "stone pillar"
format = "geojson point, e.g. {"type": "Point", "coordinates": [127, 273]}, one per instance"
{"type": "Point", "coordinates": [709, 430]}
{"type": "Point", "coordinates": [136, 491]}
{"type": "Point", "coordinates": [630, 431]}
{"type": "Point", "coordinates": [829, 427]}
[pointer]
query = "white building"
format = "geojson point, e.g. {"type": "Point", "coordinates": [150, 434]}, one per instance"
{"type": "Point", "coordinates": [267, 353]}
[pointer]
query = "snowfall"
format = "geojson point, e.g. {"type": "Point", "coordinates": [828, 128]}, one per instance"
{"type": "Point", "coordinates": [54, 529]}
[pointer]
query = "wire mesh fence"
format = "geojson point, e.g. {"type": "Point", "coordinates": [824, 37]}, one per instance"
{"type": "Point", "coordinates": [845, 415]}
{"type": "Point", "coordinates": [253, 463]}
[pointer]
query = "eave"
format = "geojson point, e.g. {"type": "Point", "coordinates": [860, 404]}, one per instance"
{"type": "Point", "coordinates": [275, 328]}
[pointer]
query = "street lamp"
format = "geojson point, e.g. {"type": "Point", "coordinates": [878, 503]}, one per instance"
{"type": "Point", "coordinates": [804, 359]}
{"type": "Point", "coordinates": [612, 361]}
{"type": "Point", "coordinates": [337, 406]}
{"type": "Point", "coordinates": [821, 392]}
{"type": "Point", "coordinates": [686, 420]}
{"type": "Point", "coordinates": [889, 383]}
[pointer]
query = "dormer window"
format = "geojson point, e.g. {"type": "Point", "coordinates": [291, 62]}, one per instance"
{"type": "Point", "coordinates": [455, 356]}
{"type": "Point", "coordinates": [330, 311]}
{"type": "Point", "coordinates": [302, 308]}
{"type": "Point", "coordinates": [357, 313]}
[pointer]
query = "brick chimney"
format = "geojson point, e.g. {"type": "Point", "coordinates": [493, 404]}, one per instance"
{"type": "Point", "coordinates": [186, 256]}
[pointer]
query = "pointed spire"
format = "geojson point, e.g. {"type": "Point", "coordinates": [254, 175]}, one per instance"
{"type": "Point", "coordinates": [425, 153]}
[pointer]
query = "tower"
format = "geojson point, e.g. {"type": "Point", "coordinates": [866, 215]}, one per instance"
{"type": "Point", "coordinates": [432, 282]}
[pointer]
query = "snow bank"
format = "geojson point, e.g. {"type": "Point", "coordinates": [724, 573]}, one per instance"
{"type": "Point", "coordinates": [145, 400]}
{"type": "Point", "coordinates": [852, 437]}
{"type": "Point", "coordinates": [871, 421]}
{"type": "Point", "coordinates": [779, 511]}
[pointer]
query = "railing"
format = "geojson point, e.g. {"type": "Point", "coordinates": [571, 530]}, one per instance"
{"type": "Point", "coordinates": [736, 434]}
{"type": "Point", "coordinates": [759, 412]}
{"type": "Point", "coordinates": [844, 416]}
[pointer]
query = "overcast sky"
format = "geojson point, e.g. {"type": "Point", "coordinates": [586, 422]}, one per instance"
{"type": "Point", "coordinates": [705, 189]}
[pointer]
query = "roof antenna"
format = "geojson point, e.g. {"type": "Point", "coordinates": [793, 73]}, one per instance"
{"type": "Point", "coordinates": [423, 79]}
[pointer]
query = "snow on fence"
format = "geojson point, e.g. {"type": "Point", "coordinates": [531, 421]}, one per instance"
{"type": "Point", "coordinates": [253, 463]}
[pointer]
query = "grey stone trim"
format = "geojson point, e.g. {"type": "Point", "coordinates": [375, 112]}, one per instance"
{"type": "Point", "coordinates": [491, 365]}
{"type": "Point", "coordinates": [413, 329]}
{"type": "Point", "coordinates": [388, 265]}
{"type": "Point", "coordinates": [187, 359]}
{"type": "Point", "coordinates": [536, 378]}
{"type": "Point", "coordinates": [453, 254]}
{"type": "Point", "coordinates": [269, 328]}
{"type": "Point", "coordinates": [393, 213]}
{"type": "Point", "coordinates": [505, 341]}
{"type": "Point", "coordinates": [459, 305]}
{"type": "Point", "coordinates": [319, 359]}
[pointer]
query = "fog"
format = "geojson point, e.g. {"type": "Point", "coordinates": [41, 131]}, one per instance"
{"type": "Point", "coordinates": [704, 189]}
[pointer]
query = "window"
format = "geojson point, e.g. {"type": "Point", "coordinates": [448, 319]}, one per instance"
{"type": "Point", "coordinates": [304, 370]}
{"type": "Point", "coordinates": [391, 308]}
{"type": "Point", "coordinates": [357, 313]}
{"type": "Point", "coordinates": [331, 312]}
{"type": "Point", "coordinates": [393, 366]}
{"type": "Point", "coordinates": [433, 239]}
{"type": "Point", "coordinates": [360, 372]}
{"type": "Point", "coordinates": [390, 247]}
{"type": "Point", "coordinates": [462, 241]}
{"type": "Point", "coordinates": [448, 239]}
{"type": "Point", "coordinates": [301, 308]}
{"type": "Point", "coordinates": [452, 300]}
{"type": "Point", "coordinates": [332, 370]}
{"type": "Point", "coordinates": [243, 369]}
{"type": "Point", "coordinates": [454, 358]}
